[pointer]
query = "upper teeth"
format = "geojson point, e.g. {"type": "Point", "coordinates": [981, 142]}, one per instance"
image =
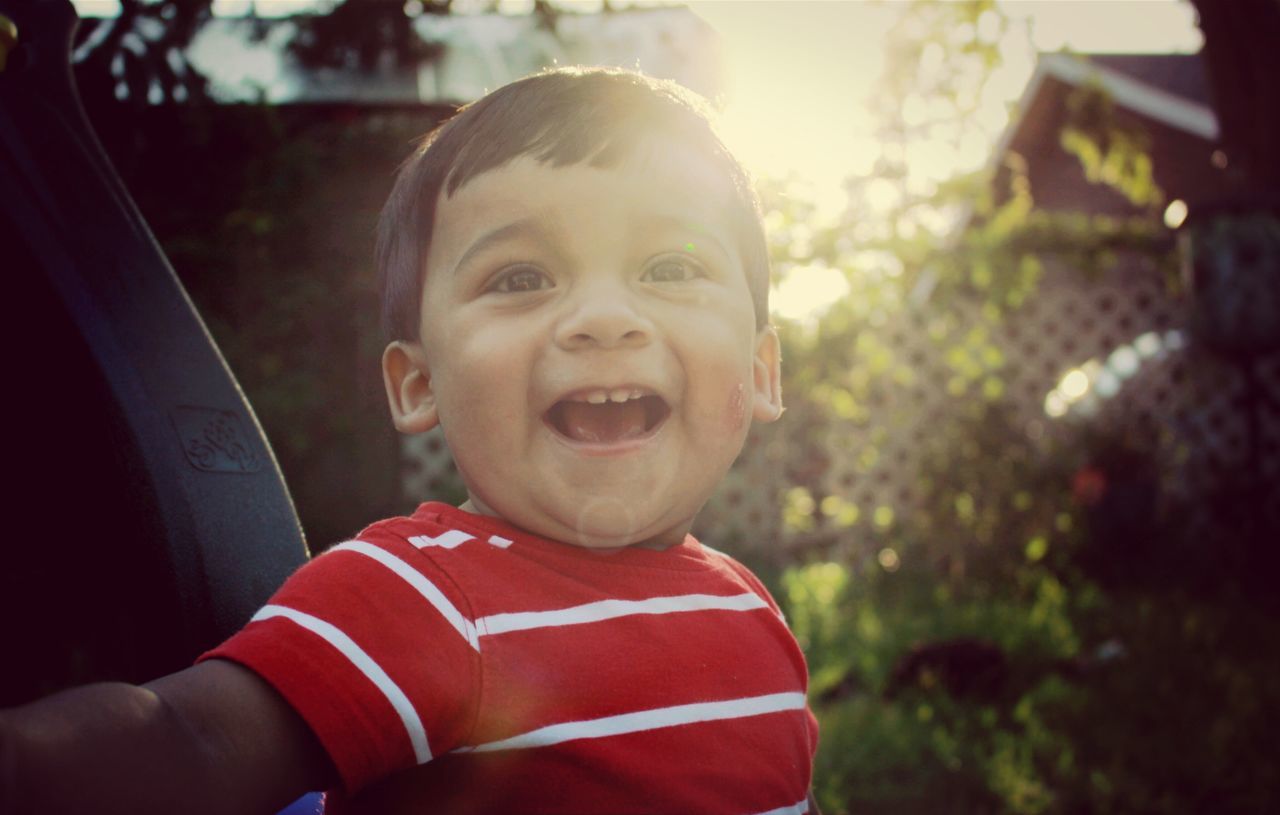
{"type": "Point", "coordinates": [599, 397]}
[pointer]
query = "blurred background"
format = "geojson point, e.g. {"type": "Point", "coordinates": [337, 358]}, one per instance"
{"type": "Point", "coordinates": [1023, 510]}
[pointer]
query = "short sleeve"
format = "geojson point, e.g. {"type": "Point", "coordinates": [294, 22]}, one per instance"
{"type": "Point", "coordinates": [374, 646]}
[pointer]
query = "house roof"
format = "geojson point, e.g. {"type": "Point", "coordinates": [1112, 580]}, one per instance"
{"type": "Point", "coordinates": [1171, 89]}
{"type": "Point", "coordinates": [1182, 75]}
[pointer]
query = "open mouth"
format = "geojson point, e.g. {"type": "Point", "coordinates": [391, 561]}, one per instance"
{"type": "Point", "coordinates": [607, 415]}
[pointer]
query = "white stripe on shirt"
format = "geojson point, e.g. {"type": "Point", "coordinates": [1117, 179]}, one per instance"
{"type": "Point", "coordinates": [363, 663]}
{"type": "Point", "coordinates": [643, 720]}
{"type": "Point", "coordinates": [421, 584]}
{"type": "Point", "coordinates": [610, 609]}
{"type": "Point", "coordinates": [448, 539]}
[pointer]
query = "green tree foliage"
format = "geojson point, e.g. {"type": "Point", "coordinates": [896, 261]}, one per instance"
{"type": "Point", "coordinates": [1098, 681]}
{"type": "Point", "coordinates": [1110, 153]}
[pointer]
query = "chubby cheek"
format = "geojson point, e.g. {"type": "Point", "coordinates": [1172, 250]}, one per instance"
{"type": "Point", "coordinates": [482, 391]}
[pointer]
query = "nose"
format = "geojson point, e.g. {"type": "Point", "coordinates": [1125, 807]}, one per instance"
{"type": "Point", "coordinates": [603, 315]}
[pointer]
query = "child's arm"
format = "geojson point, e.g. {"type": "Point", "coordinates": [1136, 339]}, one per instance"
{"type": "Point", "coordinates": [213, 738]}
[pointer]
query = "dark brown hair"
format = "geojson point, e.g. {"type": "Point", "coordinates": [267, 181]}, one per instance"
{"type": "Point", "coordinates": [562, 117]}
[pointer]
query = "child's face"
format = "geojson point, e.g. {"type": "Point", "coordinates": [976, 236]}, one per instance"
{"type": "Point", "coordinates": [589, 346]}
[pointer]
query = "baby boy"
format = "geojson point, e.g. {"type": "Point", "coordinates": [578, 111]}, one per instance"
{"type": "Point", "coordinates": [575, 282]}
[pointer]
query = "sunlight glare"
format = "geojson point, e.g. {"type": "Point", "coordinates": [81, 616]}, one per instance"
{"type": "Point", "coordinates": [797, 103]}
{"type": "Point", "coordinates": [1147, 345]}
{"type": "Point", "coordinates": [889, 560]}
{"type": "Point", "coordinates": [1175, 214]}
{"type": "Point", "coordinates": [1075, 384]}
{"type": "Point", "coordinates": [1130, 25]}
{"type": "Point", "coordinates": [882, 196]}
{"type": "Point", "coordinates": [806, 292]}
{"type": "Point", "coordinates": [932, 160]}
{"type": "Point", "coordinates": [1124, 361]}
{"type": "Point", "coordinates": [1055, 406]}
{"type": "Point", "coordinates": [270, 8]}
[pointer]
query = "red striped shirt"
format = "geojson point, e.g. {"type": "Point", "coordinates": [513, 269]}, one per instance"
{"type": "Point", "coordinates": [450, 661]}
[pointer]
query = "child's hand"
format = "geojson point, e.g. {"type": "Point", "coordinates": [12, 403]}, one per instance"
{"type": "Point", "coordinates": [212, 738]}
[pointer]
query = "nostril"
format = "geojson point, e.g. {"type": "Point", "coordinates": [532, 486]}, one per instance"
{"type": "Point", "coordinates": [604, 323]}
{"type": "Point", "coordinates": [605, 338]}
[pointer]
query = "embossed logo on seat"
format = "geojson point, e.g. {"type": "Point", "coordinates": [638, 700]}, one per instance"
{"type": "Point", "coordinates": [214, 440]}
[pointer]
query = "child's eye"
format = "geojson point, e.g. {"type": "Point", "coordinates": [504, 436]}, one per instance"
{"type": "Point", "coordinates": [520, 279]}
{"type": "Point", "coordinates": [673, 270]}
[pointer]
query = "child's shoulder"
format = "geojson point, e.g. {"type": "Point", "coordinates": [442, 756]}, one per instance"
{"type": "Point", "coordinates": [427, 518]}
{"type": "Point", "coordinates": [746, 575]}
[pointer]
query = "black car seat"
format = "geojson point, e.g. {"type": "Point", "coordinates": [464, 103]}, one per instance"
{"type": "Point", "coordinates": [145, 516]}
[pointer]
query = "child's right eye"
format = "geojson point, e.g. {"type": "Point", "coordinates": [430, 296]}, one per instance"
{"type": "Point", "coordinates": [520, 279]}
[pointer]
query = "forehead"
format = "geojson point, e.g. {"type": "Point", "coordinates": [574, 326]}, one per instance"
{"type": "Point", "coordinates": [659, 181]}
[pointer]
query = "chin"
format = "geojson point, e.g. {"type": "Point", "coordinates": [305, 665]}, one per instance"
{"type": "Point", "coordinates": [609, 523]}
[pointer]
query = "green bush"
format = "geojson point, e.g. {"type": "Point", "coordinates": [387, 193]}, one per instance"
{"type": "Point", "coordinates": [1116, 701]}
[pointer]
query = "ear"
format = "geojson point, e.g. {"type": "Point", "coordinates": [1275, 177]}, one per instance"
{"type": "Point", "coordinates": [767, 369]}
{"type": "Point", "coordinates": [408, 382]}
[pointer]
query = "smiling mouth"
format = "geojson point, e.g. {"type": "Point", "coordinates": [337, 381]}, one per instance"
{"type": "Point", "coordinates": [606, 416]}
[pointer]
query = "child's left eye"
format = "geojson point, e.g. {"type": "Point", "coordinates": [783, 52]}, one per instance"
{"type": "Point", "coordinates": [672, 270]}
{"type": "Point", "coordinates": [520, 279]}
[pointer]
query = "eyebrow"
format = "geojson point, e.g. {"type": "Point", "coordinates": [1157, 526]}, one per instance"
{"type": "Point", "coordinates": [529, 225]}
{"type": "Point", "coordinates": [533, 225]}
{"type": "Point", "coordinates": [689, 225]}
